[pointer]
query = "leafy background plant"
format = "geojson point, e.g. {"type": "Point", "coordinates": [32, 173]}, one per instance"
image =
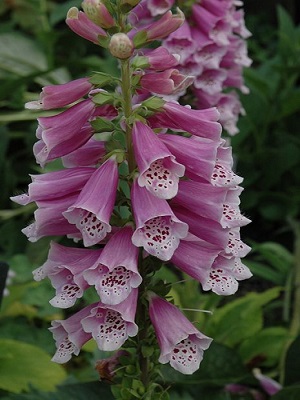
{"type": "Point", "coordinates": [256, 328]}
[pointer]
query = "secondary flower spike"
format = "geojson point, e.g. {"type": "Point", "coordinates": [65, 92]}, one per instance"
{"type": "Point", "coordinates": [181, 344]}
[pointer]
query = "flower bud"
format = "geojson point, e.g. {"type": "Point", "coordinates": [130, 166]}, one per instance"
{"type": "Point", "coordinates": [97, 12]}
{"type": "Point", "coordinates": [121, 46]}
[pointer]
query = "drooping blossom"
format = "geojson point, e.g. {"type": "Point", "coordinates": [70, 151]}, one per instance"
{"type": "Point", "coordinates": [181, 344]}
{"type": "Point", "coordinates": [158, 230]}
{"type": "Point", "coordinates": [115, 272]}
{"type": "Point", "coordinates": [111, 325]}
{"type": "Point", "coordinates": [159, 172]}
{"type": "Point", "coordinates": [65, 267]}
{"type": "Point", "coordinates": [92, 210]}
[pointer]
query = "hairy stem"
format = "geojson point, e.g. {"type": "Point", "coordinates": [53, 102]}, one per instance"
{"type": "Point", "coordinates": [127, 109]}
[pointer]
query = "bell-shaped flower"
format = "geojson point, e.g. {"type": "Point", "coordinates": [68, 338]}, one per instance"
{"type": "Point", "coordinates": [230, 108]}
{"type": "Point", "coordinates": [210, 56]}
{"type": "Point", "coordinates": [159, 29]}
{"type": "Point", "coordinates": [181, 42]}
{"type": "Point", "coordinates": [83, 26]}
{"type": "Point", "coordinates": [235, 247]}
{"type": "Point", "coordinates": [64, 132]}
{"type": "Point", "coordinates": [159, 171]}
{"type": "Point", "coordinates": [92, 210]}
{"type": "Point", "coordinates": [225, 274]}
{"type": "Point", "coordinates": [201, 198]}
{"type": "Point", "coordinates": [115, 272]}
{"type": "Point", "coordinates": [232, 217]}
{"type": "Point", "coordinates": [57, 96]}
{"type": "Point", "coordinates": [168, 82]}
{"type": "Point", "coordinates": [204, 228]}
{"type": "Point", "coordinates": [195, 257]}
{"type": "Point", "coordinates": [197, 122]}
{"type": "Point", "coordinates": [65, 267]}
{"type": "Point", "coordinates": [88, 154]}
{"type": "Point", "coordinates": [111, 325]}
{"type": "Point", "coordinates": [56, 184]}
{"type": "Point", "coordinates": [158, 59]}
{"type": "Point", "coordinates": [49, 219]}
{"type": "Point", "coordinates": [69, 335]}
{"type": "Point", "coordinates": [158, 230]}
{"type": "Point", "coordinates": [180, 342]}
{"type": "Point", "coordinates": [222, 175]}
{"type": "Point", "coordinates": [158, 7]}
{"type": "Point", "coordinates": [198, 156]}
{"type": "Point", "coordinates": [211, 81]}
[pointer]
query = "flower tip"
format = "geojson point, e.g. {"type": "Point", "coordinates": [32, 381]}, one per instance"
{"type": "Point", "coordinates": [33, 105]}
{"type": "Point", "coordinates": [73, 13]}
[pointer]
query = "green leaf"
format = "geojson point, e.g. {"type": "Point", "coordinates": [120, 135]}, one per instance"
{"type": "Point", "coordinates": [20, 55]}
{"type": "Point", "coordinates": [286, 32]}
{"type": "Point", "coordinates": [241, 318]}
{"type": "Point", "coordinates": [288, 393]}
{"type": "Point", "coordinates": [261, 270]}
{"type": "Point", "coordinates": [82, 391]}
{"type": "Point", "coordinates": [277, 255]}
{"type": "Point", "coordinates": [292, 363]}
{"type": "Point", "coordinates": [266, 344]}
{"type": "Point", "coordinates": [23, 365]}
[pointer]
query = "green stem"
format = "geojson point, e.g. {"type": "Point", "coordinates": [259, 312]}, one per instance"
{"type": "Point", "coordinates": [295, 322]}
{"type": "Point", "coordinates": [127, 109]}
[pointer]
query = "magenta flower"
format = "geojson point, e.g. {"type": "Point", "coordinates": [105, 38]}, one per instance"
{"type": "Point", "coordinates": [195, 258]}
{"type": "Point", "coordinates": [49, 219]}
{"type": "Point", "coordinates": [53, 185]}
{"type": "Point", "coordinates": [88, 154]}
{"type": "Point", "coordinates": [269, 385]}
{"type": "Point", "coordinates": [57, 96]}
{"type": "Point", "coordinates": [159, 171]}
{"type": "Point", "coordinates": [92, 210]}
{"type": "Point", "coordinates": [198, 156]}
{"type": "Point", "coordinates": [158, 230]}
{"type": "Point", "coordinates": [197, 122]}
{"type": "Point", "coordinates": [64, 132]}
{"type": "Point", "coordinates": [65, 267]}
{"type": "Point", "coordinates": [83, 26]}
{"type": "Point", "coordinates": [168, 82]}
{"type": "Point", "coordinates": [158, 59]}
{"type": "Point", "coordinates": [159, 29]}
{"type": "Point", "coordinates": [180, 342]}
{"type": "Point", "coordinates": [158, 7]}
{"type": "Point", "coordinates": [115, 272]}
{"type": "Point", "coordinates": [232, 216]}
{"type": "Point", "coordinates": [69, 335]}
{"type": "Point", "coordinates": [225, 274]}
{"type": "Point", "coordinates": [235, 247]}
{"type": "Point", "coordinates": [111, 325]}
{"type": "Point", "coordinates": [181, 42]}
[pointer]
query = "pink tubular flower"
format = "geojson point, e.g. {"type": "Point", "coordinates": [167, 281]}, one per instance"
{"type": "Point", "coordinates": [158, 7]}
{"type": "Point", "coordinates": [198, 156]}
{"type": "Point", "coordinates": [65, 267]}
{"type": "Point", "coordinates": [56, 184]}
{"type": "Point", "coordinates": [232, 216]}
{"type": "Point", "coordinates": [159, 171]}
{"type": "Point", "coordinates": [180, 342]}
{"type": "Point", "coordinates": [98, 13]}
{"type": "Point", "coordinates": [49, 220]}
{"type": "Point", "coordinates": [57, 96]}
{"type": "Point", "coordinates": [64, 132]}
{"type": "Point", "coordinates": [69, 335]}
{"type": "Point", "coordinates": [158, 230]}
{"type": "Point", "coordinates": [197, 122]}
{"type": "Point", "coordinates": [88, 154]}
{"type": "Point", "coordinates": [111, 325]}
{"type": "Point", "coordinates": [269, 385]}
{"type": "Point", "coordinates": [225, 274]}
{"type": "Point", "coordinates": [92, 210]}
{"type": "Point", "coordinates": [201, 198]}
{"type": "Point", "coordinates": [159, 29]}
{"type": "Point", "coordinates": [83, 26]}
{"type": "Point", "coordinates": [181, 42]}
{"type": "Point", "coordinates": [195, 258]}
{"type": "Point", "coordinates": [115, 272]}
{"type": "Point", "coordinates": [158, 59]}
{"type": "Point", "coordinates": [168, 82]}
